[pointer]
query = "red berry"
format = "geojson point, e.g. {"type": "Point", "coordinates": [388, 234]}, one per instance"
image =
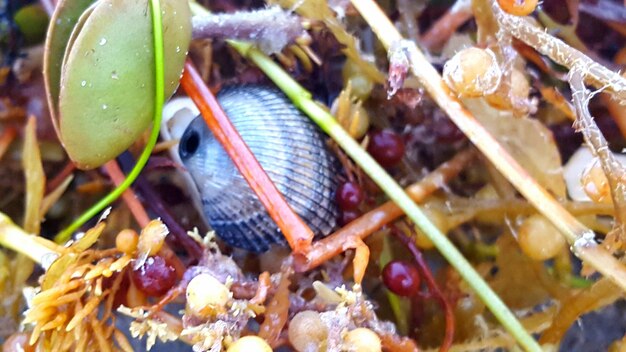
{"type": "Point", "coordinates": [349, 195]}
{"type": "Point", "coordinates": [155, 277]}
{"type": "Point", "coordinates": [387, 147]}
{"type": "Point", "coordinates": [348, 216]}
{"type": "Point", "coordinates": [401, 278]}
{"type": "Point", "coordinates": [446, 131]}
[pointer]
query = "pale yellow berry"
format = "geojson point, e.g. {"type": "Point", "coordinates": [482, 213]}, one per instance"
{"type": "Point", "coordinates": [596, 185]}
{"type": "Point", "coordinates": [472, 72]}
{"type": "Point", "coordinates": [126, 241]}
{"type": "Point", "coordinates": [206, 296]}
{"type": "Point", "coordinates": [249, 344]}
{"type": "Point", "coordinates": [307, 332]}
{"type": "Point", "coordinates": [362, 340]}
{"type": "Point", "coordinates": [152, 238]}
{"type": "Point", "coordinates": [511, 93]}
{"type": "Point", "coordinates": [539, 239]}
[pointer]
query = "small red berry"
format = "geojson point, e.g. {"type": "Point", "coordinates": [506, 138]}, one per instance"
{"type": "Point", "coordinates": [348, 216]}
{"type": "Point", "coordinates": [401, 278]}
{"type": "Point", "coordinates": [349, 195]}
{"type": "Point", "coordinates": [155, 277]}
{"type": "Point", "coordinates": [446, 131]}
{"type": "Point", "coordinates": [387, 147]}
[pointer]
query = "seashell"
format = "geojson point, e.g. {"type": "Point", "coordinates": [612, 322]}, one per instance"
{"type": "Point", "coordinates": [289, 147]}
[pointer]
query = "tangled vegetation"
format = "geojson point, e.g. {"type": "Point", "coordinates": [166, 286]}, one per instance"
{"type": "Point", "coordinates": [478, 188]}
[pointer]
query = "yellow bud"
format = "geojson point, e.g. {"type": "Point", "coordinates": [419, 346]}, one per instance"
{"type": "Point", "coordinates": [539, 239]}
{"type": "Point", "coordinates": [307, 332]}
{"type": "Point", "coordinates": [472, 72]}
{"type": "Point", "coordinates": [362, 340]}
{"type": "Point", "coordinates": [249, 344]}
{"type": "Point", "coordinates": [206, 296]}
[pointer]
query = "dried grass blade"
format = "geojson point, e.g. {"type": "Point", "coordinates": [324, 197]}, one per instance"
{"type": "Point", "coordinates": [35, 178]}
{"type": "Point", "coordinates": [35, 187]}
{"type": "Point", "coordinates": [52, 197]}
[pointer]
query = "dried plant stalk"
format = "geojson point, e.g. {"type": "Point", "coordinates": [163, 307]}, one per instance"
{"type": "Point", "coordinates": [612, 168]}
{"type": "Point", "coordinates": [271, 29]}
{"type": "Point", "coordinates": [575, 232]}
{"type": "Point", "coordinates": [580, 237]}
{"type": "Point", "coordinates": [594, 73]}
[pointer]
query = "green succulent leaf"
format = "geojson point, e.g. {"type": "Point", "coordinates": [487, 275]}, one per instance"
{"type": "Point", "coordinates": [64, 19]}
{"type": "Point", "coordinates": [106, 97]}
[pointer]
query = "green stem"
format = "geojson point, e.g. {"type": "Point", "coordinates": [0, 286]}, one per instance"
{"type": "Point", "coordinates": [302, 99]}
{"type": "Point", "coordinates": [159, 99]}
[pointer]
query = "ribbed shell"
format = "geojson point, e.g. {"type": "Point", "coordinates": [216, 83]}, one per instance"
{"type": "Point", "coordinates": [289, 147]}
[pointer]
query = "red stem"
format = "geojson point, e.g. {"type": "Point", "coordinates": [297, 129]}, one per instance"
{"type": "Point", "coordinates": [446, 305]}
{"type": "Point", "coordinates": [60, 177]}
{"type": "Point", "coordinates": [297, 233]}
{"type": "Point", "coordinates": [129, 196]}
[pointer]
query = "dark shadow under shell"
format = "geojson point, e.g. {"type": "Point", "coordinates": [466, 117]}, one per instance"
{"type": "Point", "coordinates": [289, 147]}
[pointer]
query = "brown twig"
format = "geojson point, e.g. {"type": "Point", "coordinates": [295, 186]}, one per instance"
{"type": "Point", "coordinates": [54, 182]}
{"type": "Point", "coordinates": [368, 223]}
{"type": "Point", "coordinates": [447, 24]}
{"type": "Point", "coordinates": [262, 289]}
{"type": "Point", "coordinates": [277, 310]}
{"type": "Point", "coordinates": [398, 343]}
{"type": "Point", "coordinates": [297, 233]}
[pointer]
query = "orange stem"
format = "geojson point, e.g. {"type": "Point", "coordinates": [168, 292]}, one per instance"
{"type": "Point", "coordinates": [368, 223]}
{"type": "Point", "coordinates": [297, 233]}
{"type": "Point", "coordinates": [265, 283]}
{"type": "Point", "coordinates": [277, 311]}
{"type": "Point", "coordinates": [130, 198]}
{"type": "Point", "coordinates": [7, 136]}
{"type": "Point", "coordinates": [398, 343]}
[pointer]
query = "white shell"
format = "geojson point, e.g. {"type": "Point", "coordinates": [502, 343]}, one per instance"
{"type": "Point", "coordinates": [177, 114]}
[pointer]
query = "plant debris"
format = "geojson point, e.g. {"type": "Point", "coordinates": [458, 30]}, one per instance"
{"type": "Point", "coordinates": [503, 120]}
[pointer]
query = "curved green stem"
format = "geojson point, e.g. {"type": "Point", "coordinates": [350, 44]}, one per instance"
{"type": "Point", "coordinates": [302, 99]}
{"type": "Point", "coordinates": [159, 99]}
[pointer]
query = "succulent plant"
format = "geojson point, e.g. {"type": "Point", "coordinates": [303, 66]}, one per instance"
{"type": "Point", "coordinates": [99, 71]}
